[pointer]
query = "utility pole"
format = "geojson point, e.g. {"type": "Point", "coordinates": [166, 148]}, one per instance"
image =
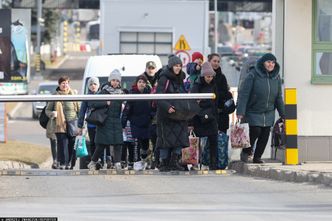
{"type": "Point", "coordinates": [215, 26]}
{"type": "Point", "coordinates": [39, 21]}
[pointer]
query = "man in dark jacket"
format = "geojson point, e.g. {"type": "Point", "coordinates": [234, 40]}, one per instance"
{"type": "Point", "coordinates": [261, 94]}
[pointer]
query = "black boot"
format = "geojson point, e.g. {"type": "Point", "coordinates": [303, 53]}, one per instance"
{"type": "Point", "coordinates": [175, 162]}
{"type": "Point", "coordinates": [164, 165]}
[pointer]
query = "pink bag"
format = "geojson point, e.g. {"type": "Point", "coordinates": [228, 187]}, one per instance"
{"type": "Point", "coordinates": [190, 155]}
{"type": "Point", "coordinates": [240, 135]}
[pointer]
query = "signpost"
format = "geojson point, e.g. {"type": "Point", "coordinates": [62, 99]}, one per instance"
{"type": "Point", "coordinates": [182, 47]}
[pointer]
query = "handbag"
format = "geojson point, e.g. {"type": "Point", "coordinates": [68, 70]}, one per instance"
{"type": "Point", "coordinates": [97, 116]}
{"type": "Point", "coordinates": [184, 109]}
{"type": "Point", "coordinates": [190, 155]}
{"type": "Point", "coordinates": [240, 135]}
{"type": "Point", "coordinates": [80, 147]}
{"type": "Point", "coordinates": [71, 128]}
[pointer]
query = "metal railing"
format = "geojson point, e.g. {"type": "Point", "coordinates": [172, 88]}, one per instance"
{"type": "Point", "coordinates": [30, 98]}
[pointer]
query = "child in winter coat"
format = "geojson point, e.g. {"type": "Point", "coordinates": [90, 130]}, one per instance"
{"type": "Point", "coordinates": [139, 113]}
{"type": "Point", "coordinates": [194, 68]}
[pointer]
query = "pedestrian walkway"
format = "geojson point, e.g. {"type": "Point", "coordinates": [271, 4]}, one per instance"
{"type": "Point", "coordinates": [311, 172]}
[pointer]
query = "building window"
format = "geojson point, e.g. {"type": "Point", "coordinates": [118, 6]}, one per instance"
{"type": "Point", "coordinates": [158, 43]}
{"type": "Point", "coordinates": [322, 42]}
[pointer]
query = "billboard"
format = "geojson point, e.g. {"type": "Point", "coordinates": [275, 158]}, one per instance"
{"type": "Point", "coordinates": [14, 48]}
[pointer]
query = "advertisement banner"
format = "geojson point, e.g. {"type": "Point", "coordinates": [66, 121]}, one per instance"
{"type": "Point", "coordinates": [15, 62]}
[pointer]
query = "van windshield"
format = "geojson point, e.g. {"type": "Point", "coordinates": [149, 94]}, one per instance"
{"type": "Point", "coordinates": [126, 82]}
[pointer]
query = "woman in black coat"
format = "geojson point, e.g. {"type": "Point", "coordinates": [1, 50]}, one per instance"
{"type": "Point", "coordinates": [223, 93]}
{"type": "Point", "coordinates": [139, 113]}
{"type": "Point", "coordinates": [205, 123]}
{"type": "Point", "coordinates": [172, 134]}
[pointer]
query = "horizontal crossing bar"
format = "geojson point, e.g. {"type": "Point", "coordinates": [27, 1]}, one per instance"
{"type": "Point", "coordinates": [30, 98]}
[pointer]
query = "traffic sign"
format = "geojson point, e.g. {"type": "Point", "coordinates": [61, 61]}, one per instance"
{"type": "Point", "coordinates": [184, 56]}
{"type": "Point", "coordinates": [182, 44]}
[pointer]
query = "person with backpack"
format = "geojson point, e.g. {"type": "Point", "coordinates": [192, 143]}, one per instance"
{"type": "Point", "coordinates": [223, 94]}
{"type": "Point", "coordinates": [260, 96]}
{"type": "Point", "coordinates": [65, 114]}
{"type": "Point", "coordinates": [194, 68]}
{"type": "Point", "coordinates": [152, 74]}
{"type": "Point", "coordinates": [205, 123]}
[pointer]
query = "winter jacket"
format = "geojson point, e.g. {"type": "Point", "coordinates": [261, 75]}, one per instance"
{"type": "Point", "coordinates": [171, 133]}
{"type": "Point", "coordinates": [85, 107]}
{"type": "Point", "coordinates": [193, 73]}
{"type": "Point", "coordinates": [222, 91]}
{"type": "Point", "coordinates": [139, 113]}
{"type": "Point", "coordinates": [205, 123]}
{"type": "Point", "coordinates": [111, 132]}
{"type": "Point", "coordinates": [261, 94]}
{"type": "Point", "coordinates": [70, 110]}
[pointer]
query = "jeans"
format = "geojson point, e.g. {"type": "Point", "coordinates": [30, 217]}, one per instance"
{"type": "Point", "coordinates": [65, 149]}
{"type": "Point", "coordinates": [53, 148]}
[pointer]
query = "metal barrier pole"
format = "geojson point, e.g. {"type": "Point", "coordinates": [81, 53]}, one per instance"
{"type": "Point", "coordinates": [29, 98]}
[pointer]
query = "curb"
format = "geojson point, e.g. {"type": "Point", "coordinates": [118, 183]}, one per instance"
{"type": "Point", "coordinates": [282, 174]}
{"type": "Point", "coordinates": [40, 172]}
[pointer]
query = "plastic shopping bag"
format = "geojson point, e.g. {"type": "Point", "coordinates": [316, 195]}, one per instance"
{"type": "Point", "coordinates": [80, 146]}
{"type": "Point", "coordinates": [190, 155]}
{"type": "Point", "coordinates": [240, 135]}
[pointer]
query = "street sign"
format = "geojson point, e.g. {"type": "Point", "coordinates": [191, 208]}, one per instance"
{"type": "Point", "coordinates": [184, 56]}
{"type": "Point", "coordinates": [182, 44]}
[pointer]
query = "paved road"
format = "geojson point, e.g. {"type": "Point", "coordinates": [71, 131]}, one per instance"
{"type": "Point", "coordinates": [163, 198]}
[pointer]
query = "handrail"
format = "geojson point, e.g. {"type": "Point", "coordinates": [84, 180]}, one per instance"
{"type": "Point", "coordinates": [30, 98]}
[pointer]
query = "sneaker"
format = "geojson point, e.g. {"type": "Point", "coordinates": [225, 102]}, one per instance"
{"type": "Point", "coordinates": [61, 167]}
{"type": "Point", "coordinates": [140, 165]}
{"type": "Point", "coordinates": [117, 166]}
{"type": "Point", "coordinates": [92, 165]}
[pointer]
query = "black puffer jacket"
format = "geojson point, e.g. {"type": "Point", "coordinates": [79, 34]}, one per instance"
{"type": "Point", "coordinates": [205, 123]}
{"type": "Point", "coordinates": [171, 133]}
{"type": "Point", "coordinates": [222, 97]}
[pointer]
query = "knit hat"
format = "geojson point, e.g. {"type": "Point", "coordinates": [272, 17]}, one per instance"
{"type": "Point", "coordinates": [196, 55]}
{"type": "Point", "coordinates": [150, 64]}
{"type": "Point", "coordinates": [115, 75]}
{"type": "Point", "coordinates": [173, 60]}
{"type": "Point", "coordinates": [207, 69]}
{"type": "Point", "coordinates": [268, 57]}
{"type": "Point", "coordinates": [93, 80]}
{"type": "Point", "coordinates": [141, 77]}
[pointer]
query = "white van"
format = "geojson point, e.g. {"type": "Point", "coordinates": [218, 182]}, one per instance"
{"type": "Point", "coordinates": [130, 67]}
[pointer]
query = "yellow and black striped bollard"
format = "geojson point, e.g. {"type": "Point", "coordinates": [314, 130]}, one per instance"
{"type": "Point", "coordinates": [291, 152]}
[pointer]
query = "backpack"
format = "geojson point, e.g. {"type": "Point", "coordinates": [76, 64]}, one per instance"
{"type": "Point", "coordinates": [247, 66]}
{"type": "Point", "coordinates": [43, 118]}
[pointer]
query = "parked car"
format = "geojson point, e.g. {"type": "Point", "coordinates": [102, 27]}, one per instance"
{"type": "Point", "coordinates": [43, 88]}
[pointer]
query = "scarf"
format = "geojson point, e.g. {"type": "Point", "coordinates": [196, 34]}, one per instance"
{"type": "Point", "coordinates": [60, 119]}
{"type": "Point", "coordinates": [112, 90]}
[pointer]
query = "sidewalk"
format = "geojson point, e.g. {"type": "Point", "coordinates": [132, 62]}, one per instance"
{"type": "Point", "coordinates": [309, 172]}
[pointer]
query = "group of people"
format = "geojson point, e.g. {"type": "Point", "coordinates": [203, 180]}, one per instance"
{"type": "Point", "coordinates": [133, 128]}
